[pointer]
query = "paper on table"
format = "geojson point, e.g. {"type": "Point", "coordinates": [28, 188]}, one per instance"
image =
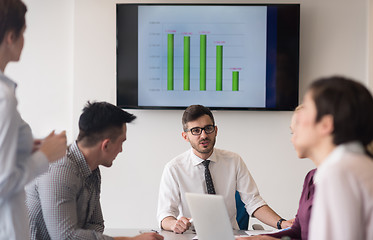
{"type": "Point", "coordinates": [258, 232]}
{"type": "Point", "coordinates": [249, 233]}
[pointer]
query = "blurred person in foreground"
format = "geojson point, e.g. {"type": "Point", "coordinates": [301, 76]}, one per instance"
{"type": "Point", "coordinates": [300, 227]}
{"type": "Point", "coordinates": [335, 128]}
{"type": "Point", "coordinates": [21, 157]}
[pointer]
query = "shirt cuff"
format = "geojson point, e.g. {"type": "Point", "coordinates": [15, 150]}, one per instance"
{"type": "Point", "coordinates": [254, 206]}
{"type": "Point", "coordinates": [163, 216]}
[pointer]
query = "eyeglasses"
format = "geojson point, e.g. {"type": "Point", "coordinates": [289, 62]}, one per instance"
{"type": "Point", "coordinates": [198, 131]}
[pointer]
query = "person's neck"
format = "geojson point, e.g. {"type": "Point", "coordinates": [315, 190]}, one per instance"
{"type": "Point", "coordinates": [203, 156]}
{"type": "Point", "coordinates": [3, 58]}
{"type": "Point", "coordinates": [90, 155]}
{"type": "Point", "coordinates": [2, 65]}
{"type": "Point", "coordinates": [322, 151]}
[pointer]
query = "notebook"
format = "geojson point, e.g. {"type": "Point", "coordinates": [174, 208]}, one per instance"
{"type": "Point", "coordinates": [210, 216]}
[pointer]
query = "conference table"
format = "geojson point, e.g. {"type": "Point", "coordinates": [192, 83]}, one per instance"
{"type": "Point", "coordinates": [188, 235]}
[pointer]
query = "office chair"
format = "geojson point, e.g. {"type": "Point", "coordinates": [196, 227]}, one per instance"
{"type": "Point", "coordinates": [242, 215]}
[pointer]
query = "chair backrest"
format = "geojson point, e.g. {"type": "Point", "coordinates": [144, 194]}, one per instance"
{"type": "Point", "coordinates": [242, 215]}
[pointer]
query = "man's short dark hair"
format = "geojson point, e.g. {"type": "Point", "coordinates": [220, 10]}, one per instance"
{"type": "Point", "coordinates": [101, 120]}
{"type": "Point", "coordinates": [12, 17]}
{"type": "Point", "coordinates": [193, 112]}
{"type": "Point", "coordinates": [350, 104]}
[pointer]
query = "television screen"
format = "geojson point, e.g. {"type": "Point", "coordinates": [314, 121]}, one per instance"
{"type": "Point", "coordinates": [243, 57]}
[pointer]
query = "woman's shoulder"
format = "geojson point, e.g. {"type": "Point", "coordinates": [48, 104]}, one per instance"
{"type": "Point", "coordinates": [7, 94]}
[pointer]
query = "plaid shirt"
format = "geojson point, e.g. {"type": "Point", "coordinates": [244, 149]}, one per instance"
{"type": "Point", "coordinates": [64, 203]}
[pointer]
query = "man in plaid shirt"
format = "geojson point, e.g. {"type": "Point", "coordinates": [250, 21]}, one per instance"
{"type": "Point", "coordinates": [64, 203]}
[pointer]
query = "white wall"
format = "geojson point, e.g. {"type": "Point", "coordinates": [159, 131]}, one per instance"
{"type": "Point", "coordinates": [45, 71]}
{"type": "Point", "coordinates": [69, 58]}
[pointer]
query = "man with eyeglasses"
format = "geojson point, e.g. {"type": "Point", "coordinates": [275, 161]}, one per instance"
{"type": "Point", "coordinates": [205, 169]}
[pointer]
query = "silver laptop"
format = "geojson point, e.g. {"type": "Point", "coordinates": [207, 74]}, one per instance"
{"type": "Point", "coordinates": [210, 216]}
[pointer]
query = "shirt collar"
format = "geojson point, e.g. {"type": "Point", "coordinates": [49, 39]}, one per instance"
{"type": "Point", "coordinates": [336, 155]}
{"type": "Point", "coordinates": [197, 160]}
{"type": "Point", "coordinates": [75, 154]}
{"type": "Point", "coordinates": [7, 80]}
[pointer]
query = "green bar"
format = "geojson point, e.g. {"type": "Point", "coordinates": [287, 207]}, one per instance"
{"type": "Point", "coordinates": [170, 62]}
{"type": "Point", "coordinates": [186, 63]}
{"type": "Point", "coordinates": [235, 77]}
{"type": "Point", "coordinates": [219, 68]}
{"type": "Point", "coordinates": [202, 63]}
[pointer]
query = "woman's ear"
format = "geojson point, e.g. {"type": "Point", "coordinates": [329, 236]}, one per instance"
{"type": "Point", "coordinates": [327, 124]}
{"type": "Point", "coordinates": [9, 37]}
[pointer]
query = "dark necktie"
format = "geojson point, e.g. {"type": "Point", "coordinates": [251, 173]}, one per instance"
{"type": "Point", "coordinates": [209, 183]}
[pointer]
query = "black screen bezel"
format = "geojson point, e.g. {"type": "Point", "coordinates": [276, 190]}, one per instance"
{"type": "Point", "coordinates": [287, 57]}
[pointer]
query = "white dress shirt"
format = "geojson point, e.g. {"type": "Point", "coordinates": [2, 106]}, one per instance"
{"type": "Point", "coordinates": [17, 165]}
{"type": "Point", "coordinates": [186, 173]}
{"type": "Point", "coordinates": [343, 203]}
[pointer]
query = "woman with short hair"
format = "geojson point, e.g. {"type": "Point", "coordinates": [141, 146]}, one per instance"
{"type": "Point", "coordinates": [335, 128]}
{"type": "Point", "coordinates": [21, 157]}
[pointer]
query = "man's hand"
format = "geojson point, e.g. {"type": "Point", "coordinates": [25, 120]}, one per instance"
{"type": "Point", "coordinates": [288, 223]}
{"type": "Point", "coordinates": [177, 226]}
{"type": "Point", "coordinates": [181, 225]}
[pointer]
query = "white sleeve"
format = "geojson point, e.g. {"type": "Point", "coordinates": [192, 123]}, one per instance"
{"type": "Point", "coordinates": [169, 196]}
{"type": "Point", "coordinates": [247, 188]}
{"type": "Point", "coordinates": [336, 211]}
{"type": "Point", "coordinates": [15, 174]}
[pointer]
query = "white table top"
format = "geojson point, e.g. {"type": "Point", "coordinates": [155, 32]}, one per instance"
{"type": "Point", "coordinates": [188, 235]}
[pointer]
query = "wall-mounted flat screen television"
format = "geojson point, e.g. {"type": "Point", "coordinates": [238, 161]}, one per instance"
{"type": "Point", "coordinates": [223, 56]}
